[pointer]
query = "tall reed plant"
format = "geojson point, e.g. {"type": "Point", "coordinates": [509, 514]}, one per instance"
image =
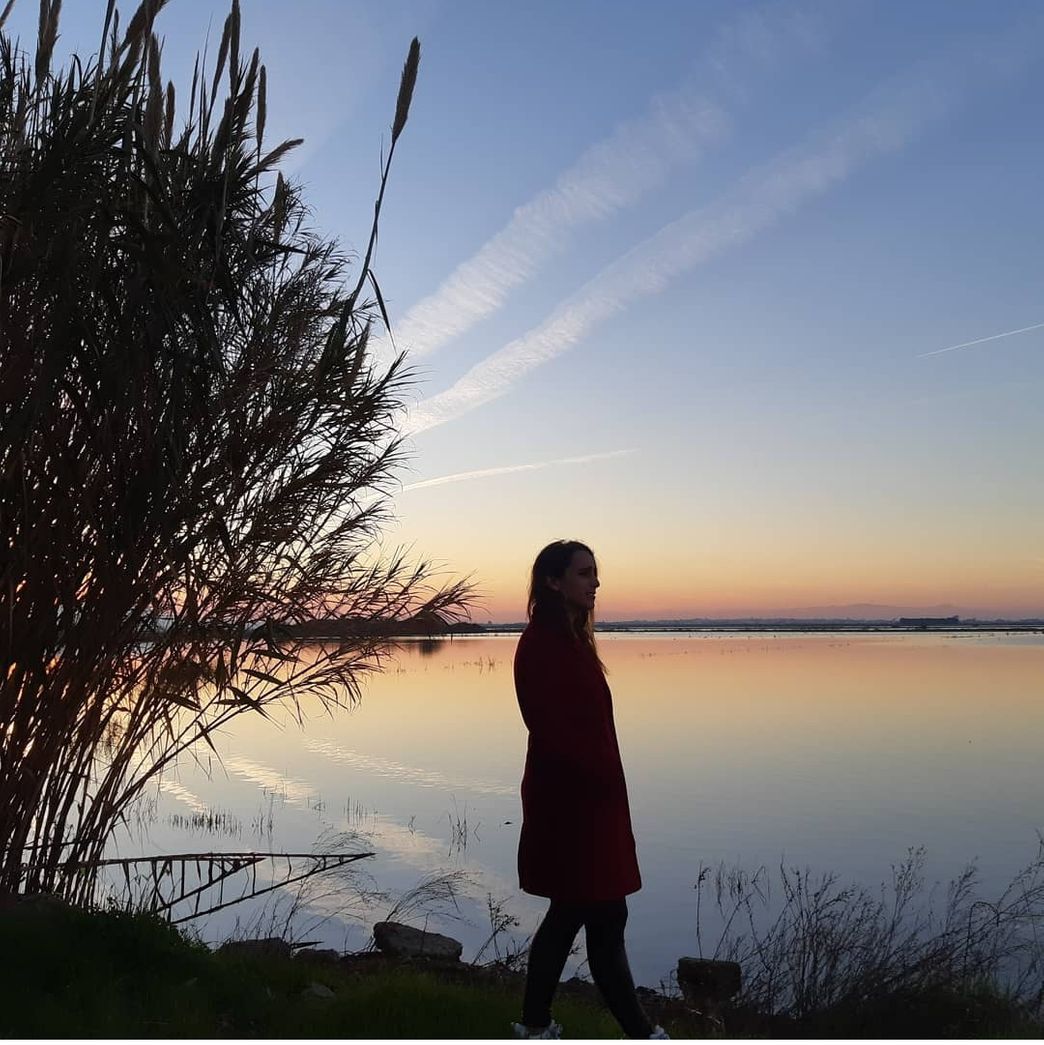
{"type": "Point", "coordinates": [196, 451]}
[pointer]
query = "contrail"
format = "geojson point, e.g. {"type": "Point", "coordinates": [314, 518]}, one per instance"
{"type": "Point", "coordinates": [979, 341]}
{"type": "Point", "coordinates": [183, 794]}
{"type": "Point", "coordinates": [386, 767]}
{"type": "Point", "coordinates": [890, 117]}
{"type": "Point", "coordinates": [760, 200]}
{"type": "Point", "coordinates": [614, 173]}
{"type": "Point", "coordinates": [482, 473]}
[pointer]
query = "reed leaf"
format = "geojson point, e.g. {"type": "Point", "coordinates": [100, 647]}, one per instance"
{"type": "Point", "coordinates": [168, 119]}
{"type": "Point", "coordinates": [269, 160]}
{"type": "Point", "coordinates": [380, 300]}
{"type": "Point", "coordinates": [192, 89]}
{"type": "Point", "coordinates": [110, 8]}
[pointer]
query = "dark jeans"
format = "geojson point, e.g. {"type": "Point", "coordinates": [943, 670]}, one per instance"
{"type": "Point", "coordinates": [604, 922]}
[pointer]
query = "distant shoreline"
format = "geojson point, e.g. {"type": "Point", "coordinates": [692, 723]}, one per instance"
{"type": "Point", "coordinates": [435, 628]}
{"type": "Point", "coordinates": [787, 626]}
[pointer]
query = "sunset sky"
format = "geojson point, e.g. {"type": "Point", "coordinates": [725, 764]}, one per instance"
{"type": "Point", "coordinates": [747, 296]}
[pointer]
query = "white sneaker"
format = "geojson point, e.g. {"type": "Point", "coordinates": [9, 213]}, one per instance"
{"type": "Point", "coordinates": [545, 1033]}
{"type": "Point", "coordinates": [660, 1034]}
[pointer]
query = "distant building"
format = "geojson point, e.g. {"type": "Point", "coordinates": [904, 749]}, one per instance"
{"type": "Point", "coordinates": [926, 622]}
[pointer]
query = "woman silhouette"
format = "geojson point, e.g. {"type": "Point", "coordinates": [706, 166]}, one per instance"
{"type": "Point", "coordinates": [576, 846]}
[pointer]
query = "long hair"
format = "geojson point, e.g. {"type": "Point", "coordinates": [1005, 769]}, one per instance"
{"type": "Point", "coordinates": [546, 605]}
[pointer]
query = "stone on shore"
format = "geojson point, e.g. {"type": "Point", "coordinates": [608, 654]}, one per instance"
{"type": "Point", "coordinates": [270, 947]}
{"type": "Point", "coordinates": [404, 941]}
{"type": "Point", "coordinates": [707, 984]}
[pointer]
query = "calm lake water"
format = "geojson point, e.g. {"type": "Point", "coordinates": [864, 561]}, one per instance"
{"type": "Point", "coordinates": [836, 752]}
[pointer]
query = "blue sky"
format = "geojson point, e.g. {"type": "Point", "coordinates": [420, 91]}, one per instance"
{"type": "Point", "coordinates": [698, 264]}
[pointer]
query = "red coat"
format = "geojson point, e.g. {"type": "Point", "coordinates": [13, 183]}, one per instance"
{"type": "Point", "coordinates": [576, 841]}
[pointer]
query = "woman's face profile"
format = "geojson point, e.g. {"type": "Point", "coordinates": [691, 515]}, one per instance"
{"type": "Point", "coordinates": [579, 582]}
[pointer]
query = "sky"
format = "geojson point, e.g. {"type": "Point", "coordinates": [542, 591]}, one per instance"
{"type": "Point", "coordinates": [745, 296]}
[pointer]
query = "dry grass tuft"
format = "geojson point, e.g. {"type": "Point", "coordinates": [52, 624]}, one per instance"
{"type": "Point", "coordinates": [829, 948]}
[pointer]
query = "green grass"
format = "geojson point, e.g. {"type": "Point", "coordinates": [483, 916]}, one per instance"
{"type": "Point", "coordinates": [77, 974]}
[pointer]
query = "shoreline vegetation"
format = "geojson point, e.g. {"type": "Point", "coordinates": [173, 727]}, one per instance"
{"type": "Point", "coordinates": [111, 973]}
{"type": "Point", "coordinates": [822, 959]}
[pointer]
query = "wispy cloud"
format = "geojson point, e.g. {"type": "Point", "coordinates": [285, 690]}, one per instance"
{"type": "Point", "coordinates": [484, 473]}
{"type": "Point", "coordinates": [887, 121]}
{"type": "Point", "coordinates": [614, 173]}
{"type": "Point", "coordinates": [980, 340]}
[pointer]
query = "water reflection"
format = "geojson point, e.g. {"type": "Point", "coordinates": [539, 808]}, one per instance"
{"type": "Point", "coordinates": [838, 752]}
{"type": "Point", "coordinates": [429, 647]}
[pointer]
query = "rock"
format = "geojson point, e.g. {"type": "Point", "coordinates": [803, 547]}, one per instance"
{"type": "Point", "coordinates": [270, 947]}
{"type": "Point", "coordinates": [318, 990]}
{"type": "Point", "coordinates": [406, 942]}
{"type": "Point", "coordinates": [315, 954]}
{"type": "Point", "coordinates": [707, 984]}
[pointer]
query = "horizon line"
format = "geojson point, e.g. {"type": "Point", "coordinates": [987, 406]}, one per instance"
{"type": "Point", "coordinates": [805, 620]}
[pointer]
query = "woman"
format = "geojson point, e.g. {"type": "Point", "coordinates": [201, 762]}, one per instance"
{"type": "Point", "coordinates": [576, 846]}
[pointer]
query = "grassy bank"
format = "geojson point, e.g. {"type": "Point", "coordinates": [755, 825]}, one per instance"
{"type": "Point", "coordinates": [74, 974]}
{"type": "Point", "coordinates": [71, 973]}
